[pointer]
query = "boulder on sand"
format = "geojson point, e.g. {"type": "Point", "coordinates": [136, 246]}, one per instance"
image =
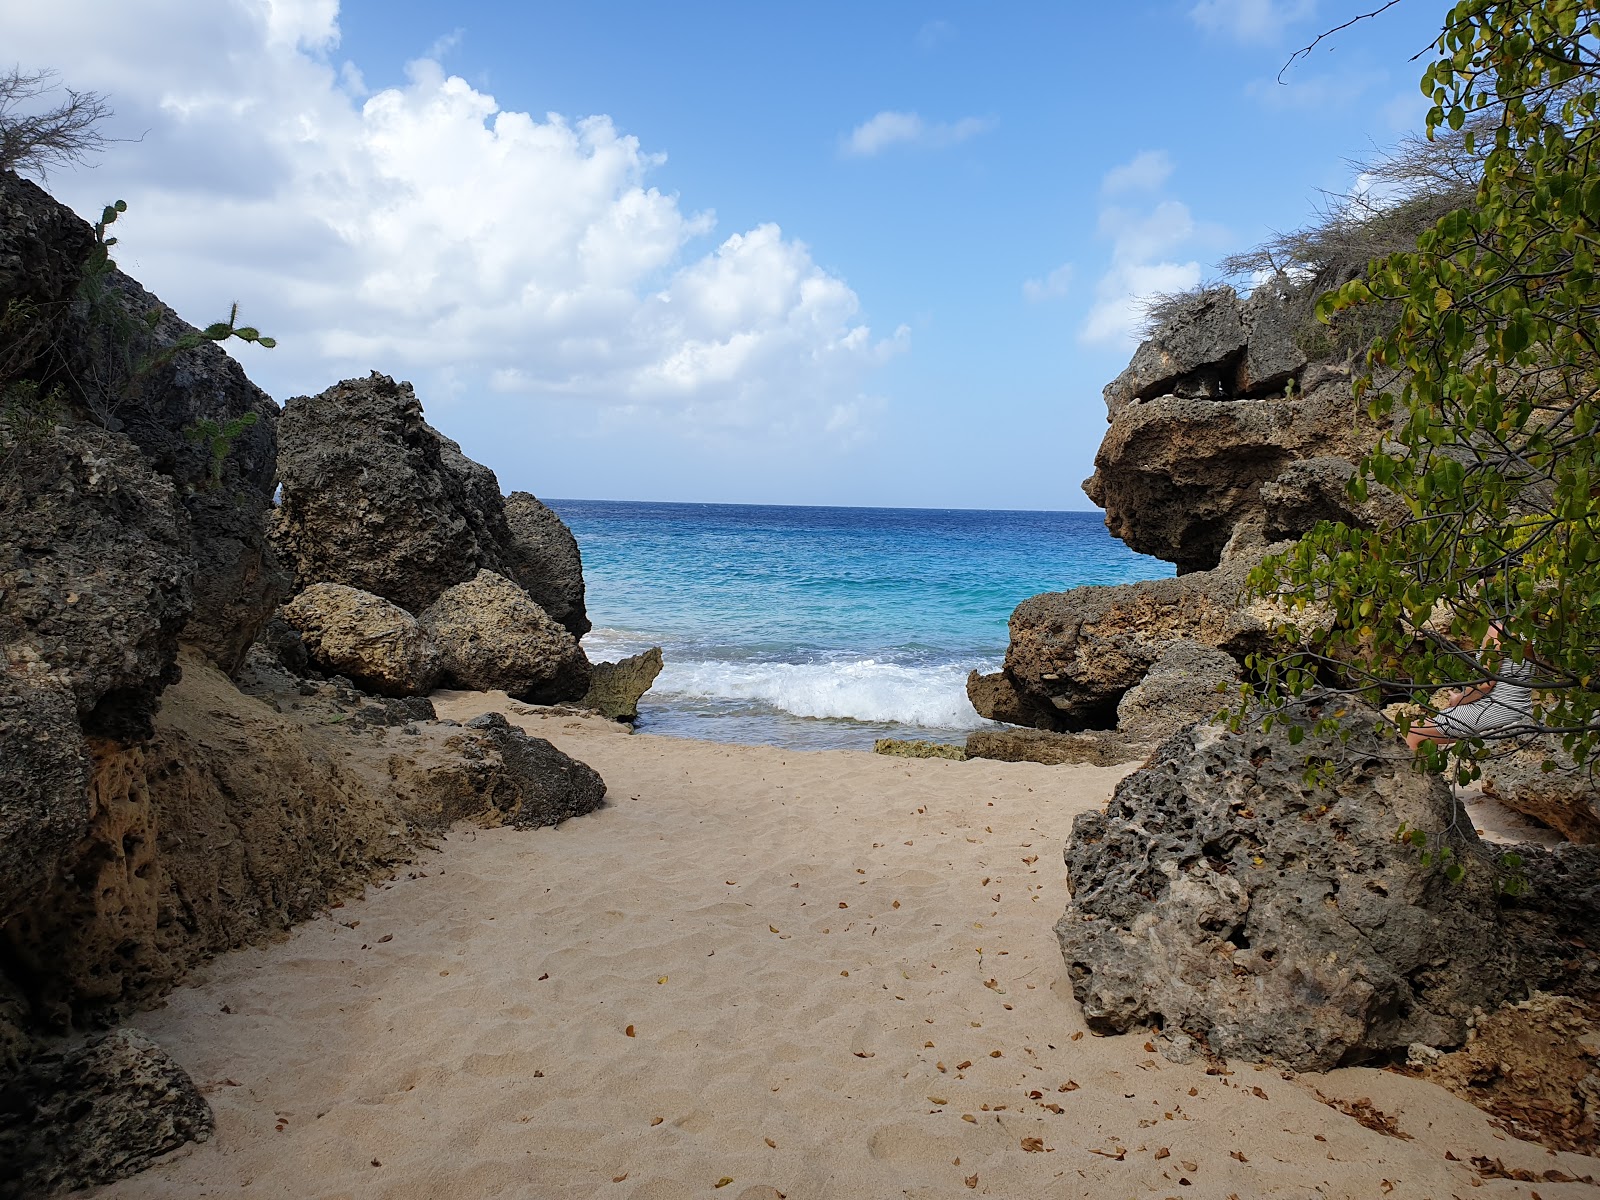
{"type": "Point", "coordinates": [491, 635]}
{"type": "Point", "coordinates": [1224, 896]}
{"type": "Point", "coordinates": [615, 687]}
{"type": "Point", "coordinates": [378, 646]}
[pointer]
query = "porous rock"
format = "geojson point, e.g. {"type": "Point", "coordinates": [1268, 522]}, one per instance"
{"type": "Point", "coordinates": [1074, 655]}
{"type": "Point", "coordinates": [1103, 748]}
{"type": "Point", "coordinates": [542, 555]}
{"type": "Point", "coordinates": [1195, 352]}
{"type": "Point", "coordinates": [95, 572]}
{"type": "Point", "coordinates": [378, 646]}
{"type": "Point", "coordinates": [1185, 684]}
{"type": "Point", "coordinates": [1272, 354]}
{"type": "Point", "coordinates": [498, 773]}
{"type": "Point", "coordinates": [1222, 895]}
{"type": "Point", "coordinates": [900, 748]}
{"type": "Point", "coordinates": [491, 635]}
{"type": "Point", "coordinates": [95, 1112]}
{"type": "Point", "coordinates": [44, 773]}
{"type": "Point", "coordinates": [1566, 798]}
{"type": "Point", "coordinates": [615, 688]}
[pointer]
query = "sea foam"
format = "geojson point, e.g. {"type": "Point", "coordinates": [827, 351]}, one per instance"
{"type": "Point", "coordinates": [860, 689]}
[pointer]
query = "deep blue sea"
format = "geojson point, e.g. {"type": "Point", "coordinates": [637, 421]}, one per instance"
{"type": "Point", "coordinates": [823, 628]}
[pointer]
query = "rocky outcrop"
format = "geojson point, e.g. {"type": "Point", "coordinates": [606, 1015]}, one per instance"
{"type": "Point", "coordinates": [376, 645]}
{"type": "Point", "coordinates": [900, 748]}
{"type": "Point", "coordinates": [615, 688]}
{"type": "Point", "coordinates": [1188, 682]}
{"type": "Point", "coordinates": [1224, 896]}
{"type": "Point", "coordinates": [542, 555]}
{"type": "Point", "coordinates": [1074, 655]}
{"type": "Point", "coordinates": [374, 498]}
{"type": "Point", "coordinates": [491, 635]}
{"type": "Point", "coordinates": [92, 1113]}
{"type": "Point", "coordinates": [1101, 748]}
{"type": "Point", "coordinates": [497, 774]}
{"type": "Point", "coordinates": [44, 774]}
{"type": "Point", "coordinates": [1567, 799]}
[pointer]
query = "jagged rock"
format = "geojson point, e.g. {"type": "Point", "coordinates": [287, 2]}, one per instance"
{"type": "Point", "coordinates": [491, 635]}
{"type": "Point", "coordinates": [95, 1112]}
{"type": "Point", "coordinates": [368, 500]}
{"type": "Point", "coordinates": [1195, 352]}
{"type": "Point", "coordinates": [897, 748]}
{"type": "Point", "coordinates": [496, 772]}
{"type": "Point", "coordinates": [282, 641]}
{"type": "Point", "coordinates": [542, 556]}
{"type": "Point", "coordinates": [1272, 357]}
{"type": "Point", "coordinates": [95, 572]}
{"type": "Point", "coordinates": [1102, 748]}
{"type": "Point", "coordinates": [376, 645]}
{"type": "Point", "coordinates": [1223, 896]}
{"type": "Point", "coordinates": [1074, 655]}
{"type": "Point", "coordinates": [1181, 687]}
{"type": "Point", "coordinates": [376, 499]}
{"type": "Point", "coordinates": [1566, 799]}
{"type": "Point", "coordinates": [44, 774]}
{"type": "Point", "coordinates": [996, 698]}
{"type": "Point", "coordinates": [43, 244]}
{"type": "Point", "coordinates": [167, 412]}
{"type": "Point", "coordinates": [615, 688]}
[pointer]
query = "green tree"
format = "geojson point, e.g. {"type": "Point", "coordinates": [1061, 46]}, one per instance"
{"type": "Point", "coordinates": [1489, 385]}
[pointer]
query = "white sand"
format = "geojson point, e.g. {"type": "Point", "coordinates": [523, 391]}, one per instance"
{"type": "Point", "coordinates": [840, 980]}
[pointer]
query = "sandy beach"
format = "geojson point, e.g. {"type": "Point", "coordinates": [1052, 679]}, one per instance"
{"type": "Point", "coordinates": [754, 973]}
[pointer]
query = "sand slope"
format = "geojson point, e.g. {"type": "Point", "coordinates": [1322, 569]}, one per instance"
{"type": "Point", "coordinates": [815, 975]}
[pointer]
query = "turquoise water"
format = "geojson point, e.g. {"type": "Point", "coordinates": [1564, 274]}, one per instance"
{"type": "Point", "coordinates": [821, 628]}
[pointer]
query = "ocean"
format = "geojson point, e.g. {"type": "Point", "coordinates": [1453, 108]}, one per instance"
{"type": "Point", "coordinates": [823, 628]}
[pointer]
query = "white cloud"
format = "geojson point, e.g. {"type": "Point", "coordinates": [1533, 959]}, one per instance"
{"type": "Point", "coordinates": [424, 231]}
{"type": "Point", "coordinates": [887, 128]}
{"type": "Point", "coordinates": [1145, 172]}
{"type": "Point", "coordinates": [1145, 259]}
{"type": "Point", "coordinates": [1053, 286]}
{"type": "Point", "coordinates": [1250, 20]}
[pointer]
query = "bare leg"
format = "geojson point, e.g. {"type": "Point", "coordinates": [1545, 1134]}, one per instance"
{"type": "Point", "coordinates": [1427, 733]}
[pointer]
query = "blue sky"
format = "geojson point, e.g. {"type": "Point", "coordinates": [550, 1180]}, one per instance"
{"type": "Point", "coordinates": [878, 254]}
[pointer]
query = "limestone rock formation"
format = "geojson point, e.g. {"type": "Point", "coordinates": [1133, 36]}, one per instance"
{"type": "Point", "coordinates": [615, 688]}
{"type": "Point", "coordinates": [542, 556]}
{"type": "Point", "coordinates": [1566, 799]}
{"type": "Point", "coordinates": [44, 775]}
{"type": "Point", "coordinates": [94, 1113]}
{"type": "Point", "coordinates": [497, 773]}
{"type": "Point", "coordinates": [1223, 896]}
{"type": "Point", "coordinates": [1185, 684]}
{"type": "Point", "coordinates": [1074, 655]}
{"type": "Point", "coordinates": [491, 635]}
{"type": "Point", "coordinates": [376, 645]}
{"type": "Point", "coordinates": [1103, 748]}
{"type": "Point", "coordinates": [374, 498]}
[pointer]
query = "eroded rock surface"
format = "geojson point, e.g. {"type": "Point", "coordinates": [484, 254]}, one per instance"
{"type": "Point", "coordinates": [1074, 655]}
{"type": "Point", "coordinates": [1566, 799]}
{"type": "Point", "coordinates": [95, 1112]}
{"type": "Point", "coordinates": [1188, 682]}
{"type": "Point", "coordinates": [1102, 748]}
{"type": "Point", "coordinates": [542, 556]}
{"type": "Point", "coordinates": [376, 645]}
{"type": "Point", "coordinates": [491, 635]}
{"type": "Point", "coordinates": [499, 774]}
{"type": "Point", "coordinates": [1223, 896]}
{"type": "Point", "coordinates": [615, 688]}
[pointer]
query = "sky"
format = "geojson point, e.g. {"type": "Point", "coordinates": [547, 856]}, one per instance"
{"type": "Point", "coordinates": [866, 254]}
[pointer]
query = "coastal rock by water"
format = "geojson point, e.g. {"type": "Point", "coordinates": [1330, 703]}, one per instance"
{"type": "Point", "coordinates": [1102, 748]}
{"type": "Point", "coordinates": [542, 556]}
{"type": "Point", "coordinates": [1187, 683]}
{"type": "Point", "coordinates": [377, 645]}
{"type": "Point", "coordinates": [491, 635]}
{"type": "Point", "coordinates": [95, 1112]}
{"type": "Point", "coordinates": [1225, 897]}
{"type": "Point", "coordinates": [376, 499]}
{"type": "Point", "coordinates": [615, 688]}
{"type": "Point", "coordinates": [1074, 655]}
